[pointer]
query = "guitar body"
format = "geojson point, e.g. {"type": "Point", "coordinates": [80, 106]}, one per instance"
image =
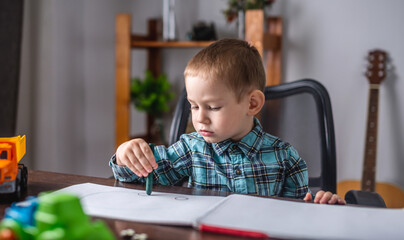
{"type": "Point", "coordinates": [393, 196]}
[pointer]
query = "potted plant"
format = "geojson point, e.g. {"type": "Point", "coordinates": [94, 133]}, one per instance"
{"type": "Point", "coordinates": [152, 95]}
{"type": "Point", "coordinates": [236, 10]}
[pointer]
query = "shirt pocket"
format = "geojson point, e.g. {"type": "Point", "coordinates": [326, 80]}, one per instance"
{"type": "Point", "coordinates": [266, 178]}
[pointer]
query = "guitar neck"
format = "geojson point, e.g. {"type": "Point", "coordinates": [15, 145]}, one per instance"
{"type": "Point", "coordinates": [369, 163]}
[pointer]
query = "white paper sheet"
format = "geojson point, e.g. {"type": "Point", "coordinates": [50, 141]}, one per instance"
{"type": "Point", "coordinates": [299, 220]}
{"type": "Point", "coordinates": [276, 218]}
{"type": "Point", "coordinates": [136, 205]}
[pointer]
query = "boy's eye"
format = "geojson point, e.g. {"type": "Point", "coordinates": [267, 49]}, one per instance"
{"type": "Point", "coordinates": [214, 108]}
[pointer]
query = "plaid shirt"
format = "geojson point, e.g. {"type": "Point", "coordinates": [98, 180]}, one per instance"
{"type": "Point", "coordinates": [258, 164]}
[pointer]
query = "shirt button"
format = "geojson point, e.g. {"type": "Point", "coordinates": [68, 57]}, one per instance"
{"type": "Point", "coordinates": [238, 171]}
{"type": "Point", "coordinates": [234, 147]}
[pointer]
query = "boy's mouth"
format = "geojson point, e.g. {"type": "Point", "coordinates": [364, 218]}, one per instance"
{"type": "Point", "coordinates": [205, 133]}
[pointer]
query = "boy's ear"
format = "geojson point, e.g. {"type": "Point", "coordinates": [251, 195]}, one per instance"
{"type": "Point", "coordinates": [257, 100]}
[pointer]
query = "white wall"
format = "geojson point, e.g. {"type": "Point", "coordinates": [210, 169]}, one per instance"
{"type": "Point", "coordinates": [66, 105]}
{"type": "Point", "coordinates": [328, 41]}
{"type": "Point", "coordinates": [67, 81]}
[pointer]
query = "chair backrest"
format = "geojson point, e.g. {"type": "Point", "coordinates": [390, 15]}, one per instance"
{"type": "Point", "coordinates": [276, 119]}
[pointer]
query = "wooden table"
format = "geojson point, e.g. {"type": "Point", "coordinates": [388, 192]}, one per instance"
{"type": "Point", "coordinates": [40, 181]}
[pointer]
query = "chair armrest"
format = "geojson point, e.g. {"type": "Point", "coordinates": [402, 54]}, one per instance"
{"type": "Point", "coordinates": [363, 198]}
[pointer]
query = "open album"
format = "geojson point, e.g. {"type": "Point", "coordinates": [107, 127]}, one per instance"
{"type": "Point", "coordinates": [241, 215]}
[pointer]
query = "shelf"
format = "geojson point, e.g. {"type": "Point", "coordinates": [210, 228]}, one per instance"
{"type": "Point", "coordinates": [265, 40]}
{"type": "Point", "coordinates": [174, 44]}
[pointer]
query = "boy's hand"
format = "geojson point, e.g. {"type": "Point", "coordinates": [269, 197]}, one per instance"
{"type": "Point", "coordinates": [325, 198]}
{"type": "Point", "coordinates": [137, 156]}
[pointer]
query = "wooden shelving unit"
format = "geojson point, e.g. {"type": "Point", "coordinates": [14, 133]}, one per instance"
{"type": "Point", "coordinates": [267, 41]}
{"type": "Point", "coordinates": [125, 41]}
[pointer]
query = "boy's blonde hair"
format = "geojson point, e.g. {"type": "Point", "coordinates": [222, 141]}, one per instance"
{"type": "Point", "coordinates": [235, 62]}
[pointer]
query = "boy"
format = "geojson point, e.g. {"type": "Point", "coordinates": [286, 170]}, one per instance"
{"type": "Point", "coordinates": [229, 150]}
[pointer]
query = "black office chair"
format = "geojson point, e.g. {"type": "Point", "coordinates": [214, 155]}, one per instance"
{"type": "Point", "coordinates": [315, 125]}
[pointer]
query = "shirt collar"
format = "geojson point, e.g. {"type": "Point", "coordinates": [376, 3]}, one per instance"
{"type": "Point", "coordinates": [250, 144]}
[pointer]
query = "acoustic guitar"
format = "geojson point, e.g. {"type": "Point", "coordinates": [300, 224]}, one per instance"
{"type": "Point", "coordinates": [392, 195]}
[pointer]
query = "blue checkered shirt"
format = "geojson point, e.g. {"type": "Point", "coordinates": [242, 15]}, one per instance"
{"type": "Point", "coordinates": [257, 164]}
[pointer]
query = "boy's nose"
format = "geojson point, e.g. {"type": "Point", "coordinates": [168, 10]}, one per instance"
{"type": "Point", "coordinates": [202, 117]}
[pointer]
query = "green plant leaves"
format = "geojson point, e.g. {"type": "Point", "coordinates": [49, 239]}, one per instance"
{"type": "Point", "coordinates": [152, 94]}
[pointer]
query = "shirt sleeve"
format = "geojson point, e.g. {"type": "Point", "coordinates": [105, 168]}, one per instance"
{"type": "Point", "coordinates": [122, 173]}
{"type": "Point", "coordinates": [174, 163]}
{"type": "Point", "coordinates": [296, 176]}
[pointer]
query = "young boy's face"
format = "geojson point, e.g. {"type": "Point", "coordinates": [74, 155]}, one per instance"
{"type": "Point", "coordinates": [216, 114]}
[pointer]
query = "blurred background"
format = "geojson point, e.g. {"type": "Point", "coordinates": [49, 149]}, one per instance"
{"type": "Point", "coordinates": [66, 103]}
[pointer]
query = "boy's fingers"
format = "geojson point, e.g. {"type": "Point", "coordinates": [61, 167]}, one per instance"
{"type": "Point", "coordinates": [318, 196]}
{"type": "Point", "coordinates": [326, 197]}
{"type": "Point", "coordinates": [135, 171]}
{"type": "Point", "coordinates": [145, 167]}
{"type": "Point", "coordinates": [137, 156]}
{"type": "Point", "coordinates": [341, 201]}
{"type": "Point", "coordinates": [131, 164]}
{"type": "Point", "coordinates": [140, 168]}
{"type": "Point", "coordinates": [127, 160]}
{"type": "Point", "coordinates": [333, 200]}
{"type": "Point", "coordinates": [308, 197]}
{"type": "Point", "coordinates": [133, 168]}
{"type": "Point", "coordinates": [148, 154]}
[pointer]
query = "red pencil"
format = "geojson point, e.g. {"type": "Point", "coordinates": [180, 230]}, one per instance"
{"type": "Point", "coordinates": [234, 232]}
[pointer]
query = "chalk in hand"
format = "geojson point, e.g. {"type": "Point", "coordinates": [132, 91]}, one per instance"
{"type": "Point", "coordinates": [149, 183]}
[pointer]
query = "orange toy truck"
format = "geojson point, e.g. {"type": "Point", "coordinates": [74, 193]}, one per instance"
{"type": "Point", "coordinates": [13, 176]}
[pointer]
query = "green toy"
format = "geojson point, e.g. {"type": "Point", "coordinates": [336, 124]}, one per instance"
{"type": "Point", "coordinates": [59, 216]}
